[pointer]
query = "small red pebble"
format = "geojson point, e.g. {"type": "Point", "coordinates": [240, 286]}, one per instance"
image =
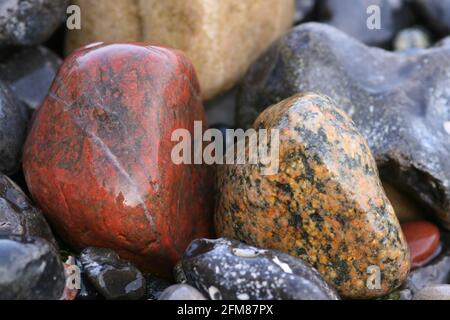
{"type": "Point", "coordinates": [423, 240]}
{"type": "Point", "coordinates": [98, 156]}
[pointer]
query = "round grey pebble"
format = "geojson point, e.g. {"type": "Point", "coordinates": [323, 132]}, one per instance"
{"type": "Point", "coordinates": [181, 292]}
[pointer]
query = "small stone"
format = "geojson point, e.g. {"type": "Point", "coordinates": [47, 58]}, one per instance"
{"type": "Point", "coordinates": [324, 205]}
{"type": "Point", "coordinates": [181, 292]}
{"type": "Point", "coordinates": [112, 277]}
{"type": "Point", "coordinates": [222, 38]}
{"type": "Point", "coordinates": [399, 102]}
{"type": "Point", "coordinates": [423, 240]}
{"type": "Point", "coordinates": [18, 215]}
{"type": "Point", "coordinates": [359, 18]}
{"type": "Point", "coordinates": [412, 38]}
{"type": "Point", "coordinates": [437, 13]}
{"type": "Point", "coordinates": [29, 72]}
{"type": "Point", "coordinates": [230, 270]}
{"type": "Point", "coordinates": [30, 269]}
{"type": "Point", "coordinates": [155, 287]}
{"type": "Point", "coordinates": [13, 127]}
{"type": "Point", "coordinates": [303, 9]}
{"type": "Point", "coordinates": [29, 22]}
{"type": "Point", "coordinates": [437, 292]}
{"type": "Point", "coordinates": [435, 272]}
{"type": "Point", "coordinates": [98, 157]}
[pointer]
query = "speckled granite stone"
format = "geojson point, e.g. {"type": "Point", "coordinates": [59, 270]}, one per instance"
{"type": "Point", "coordinates": [400, 103]}
{"type": "Point", "coordinates": [230, 270]}
{"type": "Point", "coordinates": [326, 205]}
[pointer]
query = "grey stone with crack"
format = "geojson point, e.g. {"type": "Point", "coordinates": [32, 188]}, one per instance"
{"type": "Point", "coordinates": [400, 103]}
{"type": "Point", "coordinates": [230, 270]}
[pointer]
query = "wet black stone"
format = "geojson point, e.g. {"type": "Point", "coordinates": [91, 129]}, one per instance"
{"type": "Point", "coordinates": [351, 17]}
{"type": "Point", "coordinates": [230, 270]}
{"type": "Point", "coordinates": [29, 72]}
{"type": "Point", "coordinates": [30, 269]}
{"type": "Point", "coordinates": [111, 276]}
{"type": "Point", "coordinates": [400, 103]}
{"type": "Point", "coordinates": [303, 9]}
{"type": "Point", "coordinates": [437, 14]}
{"type": "Point", "coordinates": [155, 286]}
{"type": "Point", "coordinates": [13, 127]}
{"type": "Point", "coordinates": [29, 22]}
{"type": "Point", "coordinates": [87, 290]}
{"type": "Point", "coordinates": [18, 215]}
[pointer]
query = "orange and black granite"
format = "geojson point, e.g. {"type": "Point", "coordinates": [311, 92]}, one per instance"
{"type": "Point", "coordinates": [325, 205]}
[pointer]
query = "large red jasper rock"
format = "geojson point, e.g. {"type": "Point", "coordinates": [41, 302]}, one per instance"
{"type": "Point", "coordinates": [423, 239]}
{"type": "Point", "coordinates": [98, 157]}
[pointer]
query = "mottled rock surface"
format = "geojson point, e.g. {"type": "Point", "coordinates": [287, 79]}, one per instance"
{"type": "Point", "coordinates": [113, 277]}
{"type": "Point", "coordinates": [30, 269]}
{"type": "Point", "coordinates": [222, 38]}
{"type": "Point", "coordinates": [181, 292]}
{"type": "Point", "coordinates": [18, 216]}
{"type": "Point", "coordinates": [230, 270]}
{"type": "Point", "coordinates": [325, 205]}
{"type": "Point", "coordinates": [13, 127]}
{"type": "Point", "coordinates": [29, 22]}
{"type": "Point", "coordinates": [98, 156]}
{"type": "Point", "coordinates": [29, 72]}
{"type": "Point", "coordinates": [355, 18]}
{"type": "Point", "coordinates": [400, 103]}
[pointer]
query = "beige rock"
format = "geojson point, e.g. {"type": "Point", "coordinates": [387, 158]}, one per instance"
{"type": "Point", "coordinates": [222, 38]}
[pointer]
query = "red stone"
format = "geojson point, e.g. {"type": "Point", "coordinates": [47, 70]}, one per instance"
{"type": "Point", "coordinates": [423, 240]}
{"type": "Point", "coordinates": [98, 157]}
